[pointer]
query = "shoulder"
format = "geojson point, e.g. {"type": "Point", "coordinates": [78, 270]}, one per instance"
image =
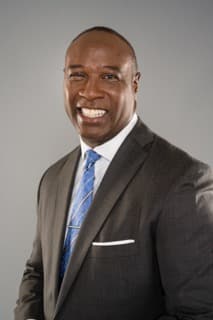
{"type": "Point", "coordinates": [167, 163]}
{"type": "Point", "coordinates": [51, 175]}
{"type": "Point", "coordinates": [173, 158]}
{"type": "Point", "coordinates": [164, 152]}
{"type": "Point", "coordinates": [179, 169]}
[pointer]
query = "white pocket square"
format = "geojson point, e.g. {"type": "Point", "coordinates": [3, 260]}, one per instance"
{"type": "Point", "coordinates": [113, 243]}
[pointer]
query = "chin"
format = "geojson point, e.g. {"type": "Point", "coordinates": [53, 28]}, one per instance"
{"type": "Point", "coordinates": [92, 141]}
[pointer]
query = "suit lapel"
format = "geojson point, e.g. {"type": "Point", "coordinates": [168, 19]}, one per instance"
{"type": "Point", "coordinates": [64, 187]}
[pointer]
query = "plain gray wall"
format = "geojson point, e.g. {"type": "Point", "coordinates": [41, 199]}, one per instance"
{"type": "Point", "coordinates": [174, 44]}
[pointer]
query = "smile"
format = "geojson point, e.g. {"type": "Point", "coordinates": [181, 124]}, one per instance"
{"type": "Point", "coordinates": [92, 113]}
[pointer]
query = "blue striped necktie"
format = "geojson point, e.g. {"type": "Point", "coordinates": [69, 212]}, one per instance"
{"type": "Point", "coordinates": [81, 204]}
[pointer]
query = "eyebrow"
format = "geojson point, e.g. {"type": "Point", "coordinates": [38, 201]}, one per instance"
{"type": "Point", "coordinates": [115, 68]}
{"type": "Point", "coordinates": [76, 66]}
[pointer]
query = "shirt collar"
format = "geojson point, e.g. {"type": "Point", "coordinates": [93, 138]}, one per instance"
{"type": "Point", "coordinates": [108, 149]}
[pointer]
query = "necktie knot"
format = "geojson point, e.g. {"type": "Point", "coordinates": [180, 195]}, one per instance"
{"type": "Point", "coordinates": [91, 158]}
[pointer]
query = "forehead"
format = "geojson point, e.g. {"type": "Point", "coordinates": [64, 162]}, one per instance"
{"type": "Point", "coordinates": [100, 48]}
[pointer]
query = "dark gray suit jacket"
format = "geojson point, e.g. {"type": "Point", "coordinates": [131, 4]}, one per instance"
{"type": "Point", "coordinates": [152, 193]}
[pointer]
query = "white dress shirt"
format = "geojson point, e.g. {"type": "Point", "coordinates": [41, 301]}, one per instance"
{"type": "Point", "coordinates": [107, 152]}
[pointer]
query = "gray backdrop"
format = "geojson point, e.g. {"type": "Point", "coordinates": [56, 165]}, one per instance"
{"type": "Point", "coordinates": [174, 44]}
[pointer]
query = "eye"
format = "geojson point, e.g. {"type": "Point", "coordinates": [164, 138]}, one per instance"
{"type": "Point", "coordinates": [75, 76]}
{"type": "Point", "coordinates": [110, 77]}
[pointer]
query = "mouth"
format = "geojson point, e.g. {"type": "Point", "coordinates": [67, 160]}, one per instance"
{"type": "Point", "coordinates": [92, 113]}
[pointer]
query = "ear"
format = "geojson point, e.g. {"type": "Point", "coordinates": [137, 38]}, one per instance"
{"type": "Point", "coordinates": [136, 80]}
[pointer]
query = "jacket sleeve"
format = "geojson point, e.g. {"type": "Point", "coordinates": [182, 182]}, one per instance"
{"type": "Point", "coordinates": [184, 243]}
{"type": "Point", "coordinates": [30, 300]}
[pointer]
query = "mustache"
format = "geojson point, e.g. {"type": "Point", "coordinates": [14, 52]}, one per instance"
{"type": "Point", "coordinates": [92, 104]}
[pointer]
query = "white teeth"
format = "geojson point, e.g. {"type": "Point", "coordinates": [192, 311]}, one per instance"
{"type": "Point", "coordinates": [93, 113]}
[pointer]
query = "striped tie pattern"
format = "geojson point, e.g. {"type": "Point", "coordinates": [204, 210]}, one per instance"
{"type": "Point", "coordinates": [81, 204]}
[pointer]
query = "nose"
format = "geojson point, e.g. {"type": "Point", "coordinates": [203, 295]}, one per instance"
{"type": "Point", "coordinates": [90, 90]}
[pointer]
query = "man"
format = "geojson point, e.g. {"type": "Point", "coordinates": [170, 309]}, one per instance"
{"type": "Point", "coordinates": [142, 246]}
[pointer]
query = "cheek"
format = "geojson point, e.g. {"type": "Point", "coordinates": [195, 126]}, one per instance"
{"type": "Point", "coordinates": [127, 101]}
{"type": "Point", "coordinates": [116, 98]}
{"type": "Point", "coordinates": [121, 102]}
{"type": "Point", "coordinates": [68, 97]}
{"type": "Point", "coordinates": [68, 102]}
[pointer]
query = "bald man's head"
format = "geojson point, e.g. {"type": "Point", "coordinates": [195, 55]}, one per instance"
{"type": "Point", "coordinates": [113, 33]}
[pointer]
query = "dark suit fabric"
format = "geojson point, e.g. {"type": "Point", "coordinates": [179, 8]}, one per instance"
{"type": "Point", "coordinates": [153, 193]}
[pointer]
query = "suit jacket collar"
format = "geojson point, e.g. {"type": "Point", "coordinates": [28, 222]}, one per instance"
{"type": "Point", "coordinates": [131, 155]}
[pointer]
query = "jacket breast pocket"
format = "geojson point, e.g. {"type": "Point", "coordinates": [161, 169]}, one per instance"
{"type": "Point", "coordinates": [115, 248]}
{"type": "Point", "coordinates": [119, 235]}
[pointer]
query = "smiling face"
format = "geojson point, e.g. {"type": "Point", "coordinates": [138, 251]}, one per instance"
{"type": "Point", "coordinates": [100, 86]}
